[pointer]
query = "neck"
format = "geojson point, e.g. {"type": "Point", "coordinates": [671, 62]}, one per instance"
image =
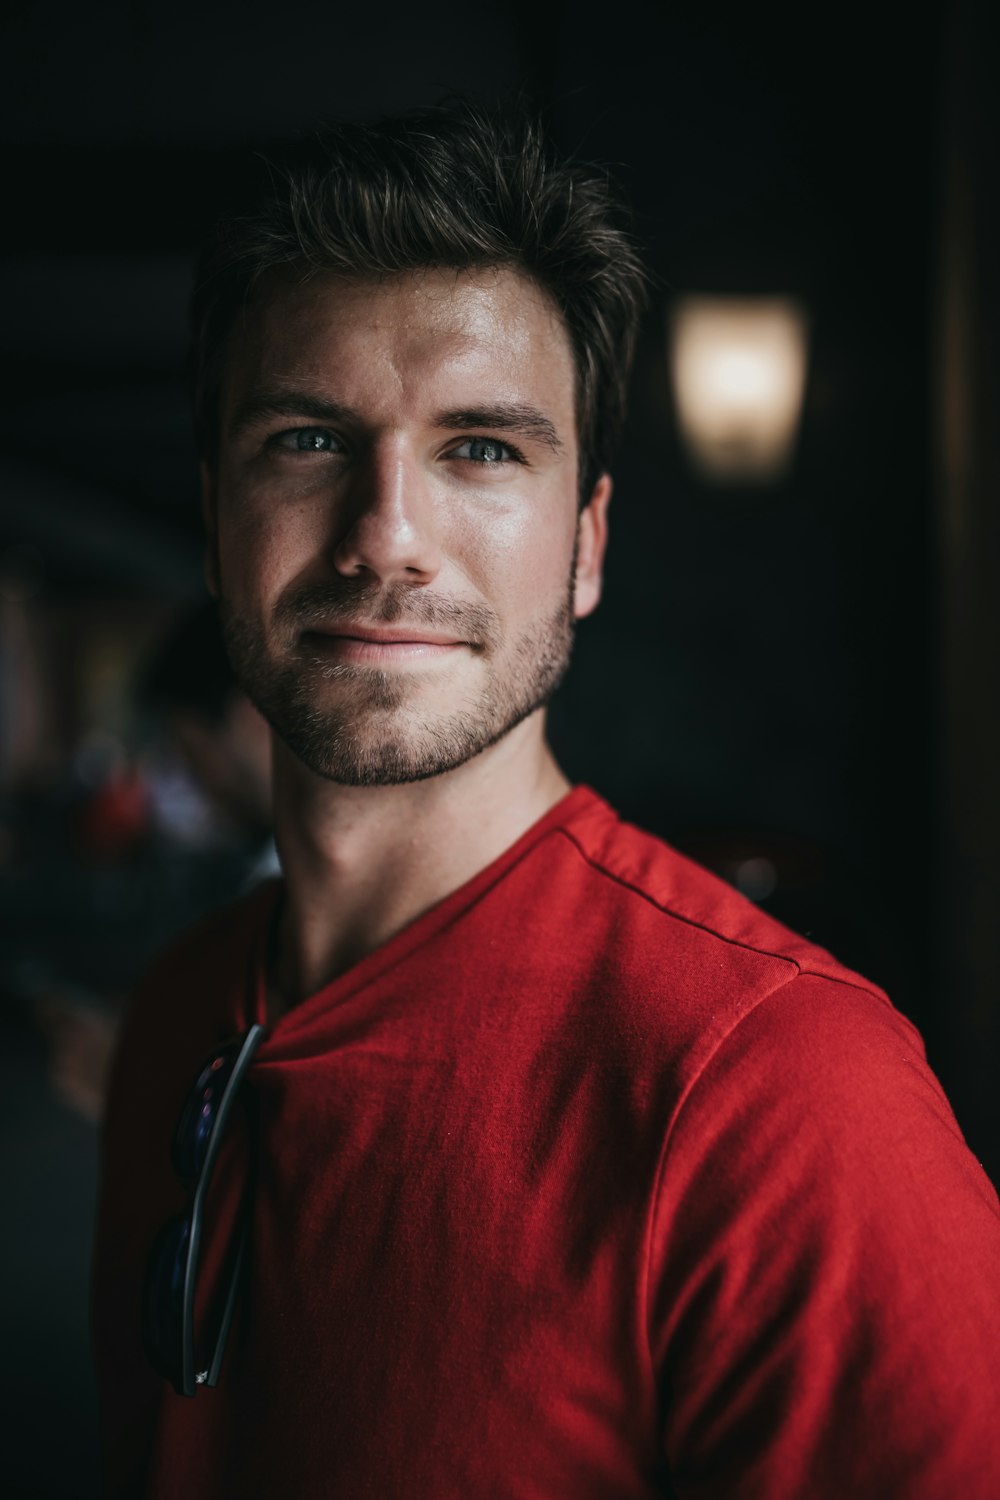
{"type": "Point", "coordinates": [361, 863]}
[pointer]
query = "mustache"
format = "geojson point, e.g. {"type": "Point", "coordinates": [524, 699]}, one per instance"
{"type": "Point", "coordinates": [369, 603]}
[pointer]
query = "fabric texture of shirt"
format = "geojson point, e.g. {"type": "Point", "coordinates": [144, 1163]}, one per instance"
{"type": "Point", "coordinates": [593, 1182]}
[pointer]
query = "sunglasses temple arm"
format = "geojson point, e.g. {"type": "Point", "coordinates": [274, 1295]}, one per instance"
{"type": "Point", "coordinates": [212, 1378]}
{"type": "Point", "coordinates": [189, 1380]}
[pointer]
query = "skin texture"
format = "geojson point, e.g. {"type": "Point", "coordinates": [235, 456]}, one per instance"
{"type": "Point", "coordinates": [398, 460]}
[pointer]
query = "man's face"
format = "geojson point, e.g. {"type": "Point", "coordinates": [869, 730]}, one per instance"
{"type": "Point", "coordinates": [393, 518]}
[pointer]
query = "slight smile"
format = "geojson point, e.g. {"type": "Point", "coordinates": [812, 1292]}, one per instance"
{"type": "Point", "coordinates": [381, 646]}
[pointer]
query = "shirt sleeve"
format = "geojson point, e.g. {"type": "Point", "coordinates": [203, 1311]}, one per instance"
{"type": "Point", "coordinates": [824, 1294]}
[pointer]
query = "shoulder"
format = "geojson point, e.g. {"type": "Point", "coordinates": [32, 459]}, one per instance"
{"type": "Point", "coordinates": [821, 1227]}
{"type": "Point", "coordinates": [781, 1059]}
{"type": "Point", "coordinates": [687, 951]}
{"type": "Point", "coordinates": [642, 871]}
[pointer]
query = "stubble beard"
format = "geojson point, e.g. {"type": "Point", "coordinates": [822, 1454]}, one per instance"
{"type": "Point", "coordinates": [375, 734]}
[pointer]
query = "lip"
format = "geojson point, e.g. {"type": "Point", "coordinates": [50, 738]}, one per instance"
{"type": "Point", "coordinates": [382, 647]}
{"type": "Point", "coordinates": [387, 635]}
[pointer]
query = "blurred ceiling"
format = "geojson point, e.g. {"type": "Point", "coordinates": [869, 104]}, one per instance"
{"type": "Point", "coordinates": [753, 148]}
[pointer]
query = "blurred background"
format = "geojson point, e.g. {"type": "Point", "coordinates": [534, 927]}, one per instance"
{"type": "Point", "coordinates": [793, 676]}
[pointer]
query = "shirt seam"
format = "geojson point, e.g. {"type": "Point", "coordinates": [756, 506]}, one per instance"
{"type": "Point", "coordinates": [678, 916]}
{"type": "Point", "coordinates": [799, 971]}
{"type": "Point", "coordinates": [670, 1130]}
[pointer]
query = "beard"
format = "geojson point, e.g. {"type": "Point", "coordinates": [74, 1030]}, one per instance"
{"type": "Point", "coordinates": [364, 726]}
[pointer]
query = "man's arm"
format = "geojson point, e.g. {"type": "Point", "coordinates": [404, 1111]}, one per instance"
{"type": "Point", "coordinates": [825, 1269]}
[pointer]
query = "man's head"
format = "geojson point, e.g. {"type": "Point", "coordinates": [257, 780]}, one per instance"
{"type": "Point", "coordinates": [410, 366]}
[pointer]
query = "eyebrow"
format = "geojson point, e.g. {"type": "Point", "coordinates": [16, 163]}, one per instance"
{"type": "Point", "coordinates": [513, 416]}
{"type": "Point", "coordinates": [508, 417]}
{"type": "Point", "coordinates": [286, 403]}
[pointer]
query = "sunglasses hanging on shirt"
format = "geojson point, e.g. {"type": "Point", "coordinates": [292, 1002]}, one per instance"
{"type": "Point", "coordinates": [168, 1303]}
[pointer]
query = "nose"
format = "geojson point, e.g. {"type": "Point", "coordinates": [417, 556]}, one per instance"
{"type": "Point", "coordinates": [387, 528]}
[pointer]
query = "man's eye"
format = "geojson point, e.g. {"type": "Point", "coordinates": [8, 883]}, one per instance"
{"type": "Point", "coordinates": [308, 440]}
{"type": "Point", "coordinates": [485, 451]}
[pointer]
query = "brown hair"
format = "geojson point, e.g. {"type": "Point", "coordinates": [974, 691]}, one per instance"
{"type": "Point", "coordinates": [459, 186]}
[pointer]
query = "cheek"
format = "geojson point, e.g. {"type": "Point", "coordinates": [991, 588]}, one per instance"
{"type": "Point", "coordinates": [263, 545]}
{"type": "Point", "coordinates": [521, 558]}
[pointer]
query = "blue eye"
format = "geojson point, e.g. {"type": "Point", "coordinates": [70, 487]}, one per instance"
{"type": "Point", "coordinates": [484, 451]}
{"type": "Point", "coordinates": [309, 440]}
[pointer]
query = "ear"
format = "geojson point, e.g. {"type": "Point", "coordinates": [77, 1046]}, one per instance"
{"type": "Point", "coordinates": [591, 544]}
{"type": "Point", "coordinates": [209, 514]}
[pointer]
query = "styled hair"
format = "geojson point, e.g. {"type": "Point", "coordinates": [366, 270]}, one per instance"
{"type": "Point", "coordinates": [457, 186]}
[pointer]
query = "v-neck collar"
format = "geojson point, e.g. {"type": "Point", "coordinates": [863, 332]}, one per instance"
{"type": "Point", "coordinates": [264, 911]}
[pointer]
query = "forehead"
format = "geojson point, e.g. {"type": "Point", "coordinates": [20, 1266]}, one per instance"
{"type": "Point", "coordinates": [414, 339]}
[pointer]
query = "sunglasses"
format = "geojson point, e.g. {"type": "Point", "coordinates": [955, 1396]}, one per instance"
{"type": "Point", "coordinates": [168, 1300]}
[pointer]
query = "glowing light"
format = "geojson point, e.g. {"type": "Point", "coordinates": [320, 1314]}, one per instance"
{"type": "Point", "coordinates": [739, 372]}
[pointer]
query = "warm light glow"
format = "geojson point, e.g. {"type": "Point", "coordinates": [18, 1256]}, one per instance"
{"type": "Point", "coordinates": [739, 371]}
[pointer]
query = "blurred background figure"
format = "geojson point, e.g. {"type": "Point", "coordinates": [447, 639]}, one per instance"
{"type": "Point", "coordinates": [205, 781]}
{"type": "Point", "coordinates": [188, 690]}
{"type": "Point", "coordinates": [148, 808]}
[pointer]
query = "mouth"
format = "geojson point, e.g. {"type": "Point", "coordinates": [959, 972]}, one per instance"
{"type": "Point", "coordinates": [381, 646]}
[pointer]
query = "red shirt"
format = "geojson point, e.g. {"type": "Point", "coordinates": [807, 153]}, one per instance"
{"type": "Point", "coordinates": [593, 1182]}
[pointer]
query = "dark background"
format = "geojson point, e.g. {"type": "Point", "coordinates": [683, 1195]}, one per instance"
{"type": "Point", "coordinates": [803, 672]}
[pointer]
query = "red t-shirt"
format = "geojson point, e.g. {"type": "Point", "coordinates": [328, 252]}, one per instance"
{"type": "Point", "coordinates": [593, 1182]}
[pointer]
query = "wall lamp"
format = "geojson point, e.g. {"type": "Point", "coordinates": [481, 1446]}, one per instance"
{"type": "Point", "coordinates": [738, 366]}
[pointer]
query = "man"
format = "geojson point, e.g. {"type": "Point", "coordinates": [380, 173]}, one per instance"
{"type": "Point", "coordinates": [560, 1169]}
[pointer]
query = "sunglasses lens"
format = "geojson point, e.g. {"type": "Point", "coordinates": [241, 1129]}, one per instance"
{"type": "Point", "coordinates": [162, 1298]}
{"type": "Point", "coordinates": [194, 1131]}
